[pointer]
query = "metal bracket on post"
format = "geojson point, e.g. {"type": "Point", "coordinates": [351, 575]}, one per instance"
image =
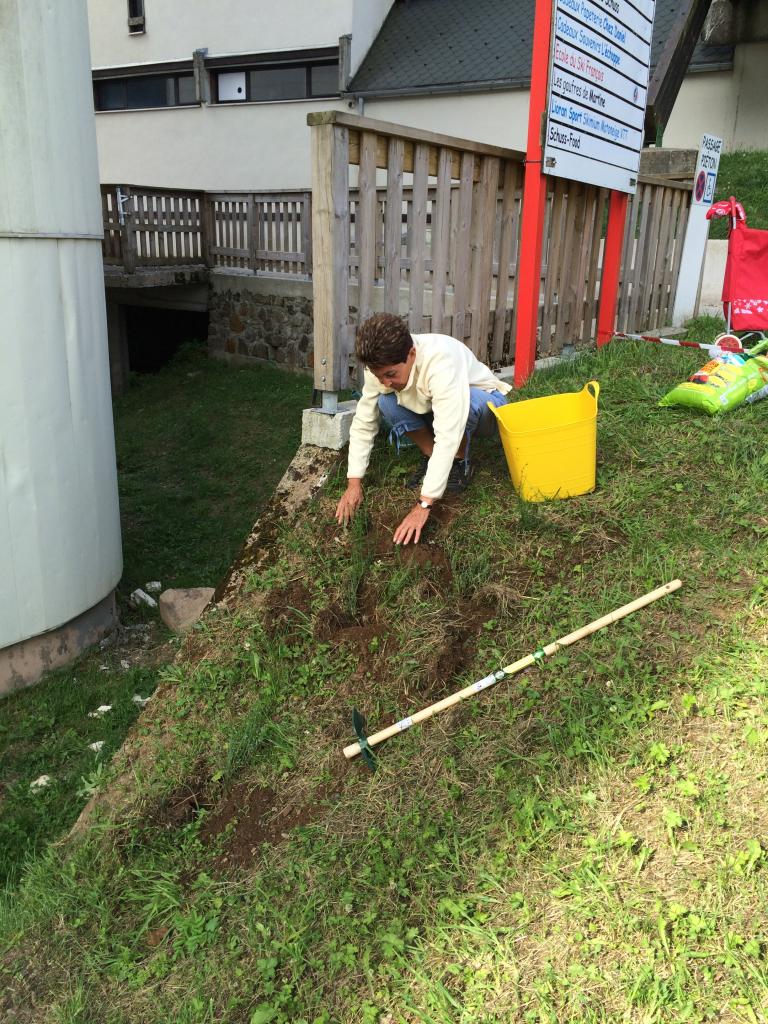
{"type": "Point", "coordinates": [330, 402]}
{"type": "Point", "coordinates": [122, 199]}
{"type": "Point", "coordinates": [329, 399]}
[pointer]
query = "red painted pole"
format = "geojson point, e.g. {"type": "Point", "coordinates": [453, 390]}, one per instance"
{"type": "Point", "coordinates": [609, 281]}
{"type": "Point", "coordinates": [534, 199]}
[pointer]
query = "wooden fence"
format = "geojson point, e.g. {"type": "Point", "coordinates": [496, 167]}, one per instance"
{"type": "Point", "coordinates": [653, 246]}
{"type": "Point", "coordinates": [265, 232]}
{"type": "Point", "coordinates": [419, 224]}
{"type": "Point", "coordinates": [428, 226]}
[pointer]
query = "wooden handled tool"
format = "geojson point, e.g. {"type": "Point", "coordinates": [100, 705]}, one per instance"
{"type": "Point", "coordinates": [447, 702]}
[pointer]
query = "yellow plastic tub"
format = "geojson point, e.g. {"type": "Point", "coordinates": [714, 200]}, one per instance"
{"type": "Point", "coordinates": [551, 443]}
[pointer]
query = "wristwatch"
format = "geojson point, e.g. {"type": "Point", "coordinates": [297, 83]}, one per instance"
{"type": "Point", "coordinates": [424, 504]}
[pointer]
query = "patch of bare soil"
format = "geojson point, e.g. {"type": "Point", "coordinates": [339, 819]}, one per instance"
{"type": "Point", "coordinates": [287, 607]}
{"type": "Point", "coordinates": [359, 636]}
{"type": "Point", "coordinates": [428, 552]}
{"type": "Point", "coordinates": [248, 816]}
{"type": "Point", "coordinates": [332, 621]}
{"type": "Point", "coordinates": [246, 811]}
{"type": "Point", "coordinates": [139, 645]}
{"type": "Point", "coordinates": [457, 652]}
{"type": "Point", "coordinates": [181, 806]}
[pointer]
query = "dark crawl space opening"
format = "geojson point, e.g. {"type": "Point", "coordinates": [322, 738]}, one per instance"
{"type": "Point", "coordinates": [155, 335]}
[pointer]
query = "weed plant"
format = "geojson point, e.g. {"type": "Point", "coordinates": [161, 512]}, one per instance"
{"type": "Point", "coordinates": [583, 843]}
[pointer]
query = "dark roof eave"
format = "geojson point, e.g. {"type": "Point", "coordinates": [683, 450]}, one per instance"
{"type": "Point", "coordinates": [698, 69]}
{"type": "Point", "coordinates": [436, 90]}
{"type": "Point", "coordinates": [493, 86]}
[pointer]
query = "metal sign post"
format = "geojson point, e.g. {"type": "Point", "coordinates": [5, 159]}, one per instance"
{"type": "Point", "coordinates": [593, 109]}
{"type": "Point", "coordinates": [534, 200]}
{"type": "Point", "coordinates": [697, 230]}
{"type": "Point", "coordinates": [609, 281]}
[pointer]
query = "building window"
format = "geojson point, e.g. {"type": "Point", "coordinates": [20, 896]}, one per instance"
{"type": "Point", "coordinates": [141, 91]}
{"type": "Point", "coordinates": [272, 83]}
{"type": "Point", "coordinates": [136, 16]}
{"type": "Point", "coordinates": [324, 80]}
{"type": "Point", "coordinates": [269, 84]}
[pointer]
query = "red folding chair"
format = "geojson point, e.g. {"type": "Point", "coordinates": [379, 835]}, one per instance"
{"type": "Point", "coordinates": [745, 285]}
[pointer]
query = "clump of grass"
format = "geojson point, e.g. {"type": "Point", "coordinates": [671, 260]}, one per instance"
{"type": "Point", "coordinates": [704, 329]}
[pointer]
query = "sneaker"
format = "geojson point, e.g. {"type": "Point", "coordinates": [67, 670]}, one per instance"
{"type": "Point", "coordinates": [414, 481]}
{"type": "Point", "coordinates": [459, 477]}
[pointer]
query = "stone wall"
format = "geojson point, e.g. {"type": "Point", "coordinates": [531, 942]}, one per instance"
{"type": "Point", "coordinates": [261, 319]}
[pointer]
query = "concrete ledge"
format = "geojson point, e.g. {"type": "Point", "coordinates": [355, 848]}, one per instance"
{"type": "Point", "coordinates": [154, 277]}
{"type": "Point", "coordinates": [302, 480]}
{"type": "Point", "coordinates": [23, 663]}
{"type": "Point", "coordinates": [224, 279]}
{"type": "Point", "coordinates": [325, 431]}
{"type": "Point", "coordinates": [668, 163]}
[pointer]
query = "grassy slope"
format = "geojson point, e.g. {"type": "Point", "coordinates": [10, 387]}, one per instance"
{"type": "Point", "coordinates": [585, 843]}
{"type": "Point", "coordinates": [199, 453]}
{"type": "Point", "coordinates": [743, 175]}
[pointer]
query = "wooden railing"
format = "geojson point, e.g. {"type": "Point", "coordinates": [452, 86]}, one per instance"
{"type": "Point", "coordinates": [154, 227]}
{"type": "Point", "coordinates": [265, 232]}
{"type": "Point", "coordinates": [427, 226]}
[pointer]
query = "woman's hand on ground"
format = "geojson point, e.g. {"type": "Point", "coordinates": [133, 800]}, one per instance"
{"type": "Point", "coordinates": [411, 527]}
{"type": "Point", "coordinates": [349, 502]}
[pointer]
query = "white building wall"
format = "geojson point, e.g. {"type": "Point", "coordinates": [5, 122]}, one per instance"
{"type": "Point", "coordinates": [175, 30]}
{"type": "Point", "coordinates": [724, 103]}
{"type": "Point", "coordinates": [248, 146]}
{"type": "Point", "coordinates": [498, 118]}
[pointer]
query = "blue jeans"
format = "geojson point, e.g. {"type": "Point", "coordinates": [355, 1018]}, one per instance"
{"type": "Point", "coordinates": [480, 422]}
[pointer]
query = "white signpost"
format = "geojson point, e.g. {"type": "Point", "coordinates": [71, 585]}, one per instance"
{"type": "Point", "coordinates": [697, 230]}
{"type": "Point", "coordinates": [598, 84]}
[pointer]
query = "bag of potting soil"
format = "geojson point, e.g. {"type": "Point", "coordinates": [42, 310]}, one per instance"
{"type": "Point", "coordinates": [721, 384]}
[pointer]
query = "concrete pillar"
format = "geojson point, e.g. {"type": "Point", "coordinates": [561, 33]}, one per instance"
{"type": "Point", "coordinates": [60, 553]}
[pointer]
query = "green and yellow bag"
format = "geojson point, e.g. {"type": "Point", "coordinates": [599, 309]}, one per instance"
{"type": "Point", "coordinates": [723, 383]}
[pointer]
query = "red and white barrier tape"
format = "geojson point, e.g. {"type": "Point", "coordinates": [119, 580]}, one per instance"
{"type": "Point", "coordinates": [728, 343]}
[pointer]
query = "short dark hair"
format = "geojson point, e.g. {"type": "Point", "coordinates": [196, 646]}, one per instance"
{"type": "Point", "coordinates": [383, 340]}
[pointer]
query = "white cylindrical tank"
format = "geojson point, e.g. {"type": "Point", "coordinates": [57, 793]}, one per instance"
{"type": "Point", "coordinates": [60, 551]}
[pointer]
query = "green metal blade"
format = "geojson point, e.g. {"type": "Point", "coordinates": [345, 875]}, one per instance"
{"type": "Point", "coordinates": [358, 724]}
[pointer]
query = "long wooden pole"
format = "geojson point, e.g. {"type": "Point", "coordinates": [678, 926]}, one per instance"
{"type": "Point", "coordinates": [517, 666]}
